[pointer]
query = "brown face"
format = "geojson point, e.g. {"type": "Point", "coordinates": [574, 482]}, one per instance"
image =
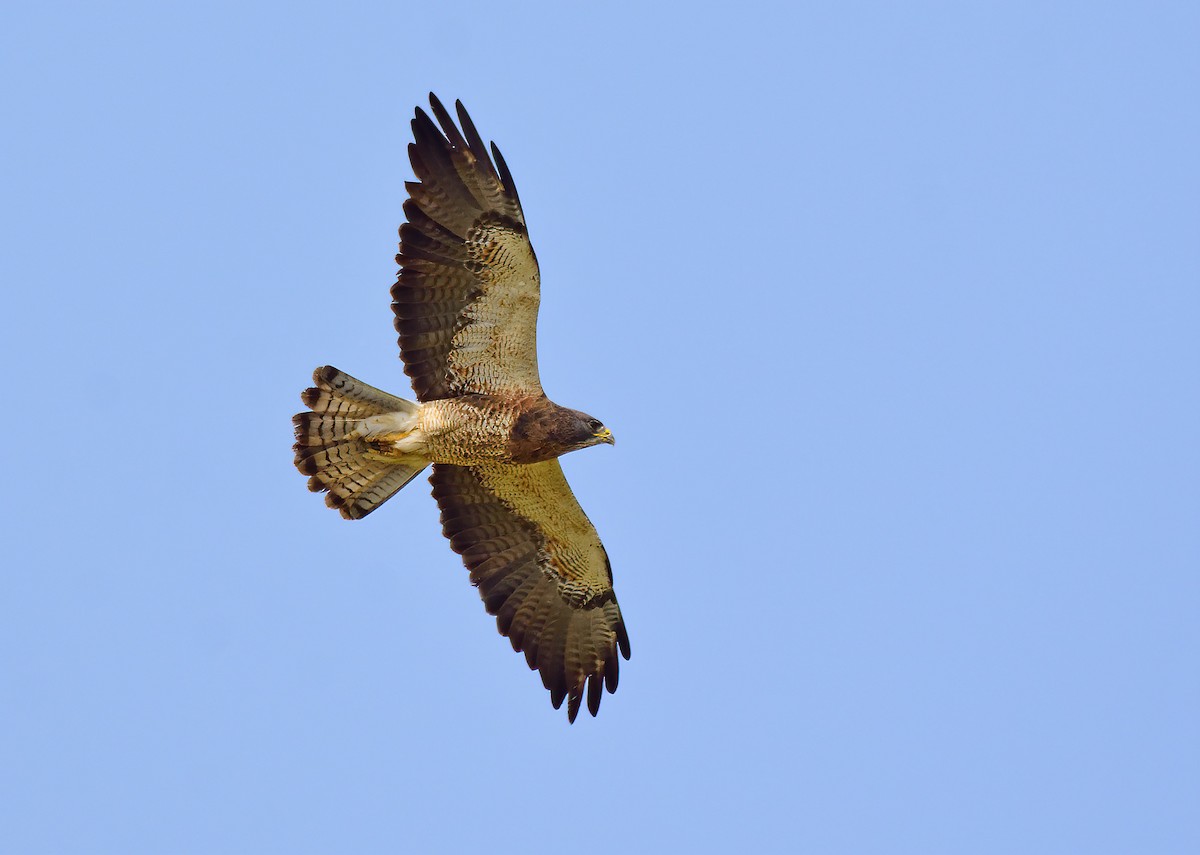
{"type": "Point", "coordinates": [547, 431]}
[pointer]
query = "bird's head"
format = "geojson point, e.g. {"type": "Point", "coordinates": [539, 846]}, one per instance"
{"type": "Point", "coordinates": [576, 430]}
{"type": "Point", "coordinates": [590, 431]}
{"type": "Point", "coordinates": [546, 430]}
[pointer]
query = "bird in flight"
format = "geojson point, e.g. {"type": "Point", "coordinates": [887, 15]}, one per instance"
{"type": "Point", "coordinates": [466, 303]}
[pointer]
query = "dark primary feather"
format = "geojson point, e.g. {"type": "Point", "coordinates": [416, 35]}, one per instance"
{"type": "Point", "coordinates": [572, 642]}
{"type": "Point", "coordinates": [459, 191]}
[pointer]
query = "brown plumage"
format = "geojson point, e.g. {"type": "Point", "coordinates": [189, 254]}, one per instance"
{"type": "Point", "coordinates": [466, 303]}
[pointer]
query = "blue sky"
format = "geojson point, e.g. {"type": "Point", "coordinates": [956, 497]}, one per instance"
{"type": "Point", "coordinates": [893, 309]}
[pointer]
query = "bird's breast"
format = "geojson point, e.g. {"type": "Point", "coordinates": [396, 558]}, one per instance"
{"type": "Point", "coordinates": [468, 430]}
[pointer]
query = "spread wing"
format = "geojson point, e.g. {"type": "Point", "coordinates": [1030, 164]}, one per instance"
{"type": "Point", "coordinates": [540, 569]}
{"type": "Point", "coordinates": [466, 299]}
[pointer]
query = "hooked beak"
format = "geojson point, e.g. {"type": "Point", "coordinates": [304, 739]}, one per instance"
{"type": "Point", "coordinates": [605, 435]}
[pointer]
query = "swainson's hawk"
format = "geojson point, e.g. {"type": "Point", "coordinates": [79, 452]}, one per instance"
{"type": "Point", "coordinates": [466, 304]}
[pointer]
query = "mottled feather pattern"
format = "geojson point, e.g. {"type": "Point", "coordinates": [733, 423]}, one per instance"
{"type": "Point", "coordinates": [569, 541]}
{"type": "Point", "coordinates": [540, 570]}
{"type": "Point", "coordinates": [468, 429]}
{"type": "Point", "coordinates": [494, 348]}
{"type": "Point", "coordinates": [466, 299]}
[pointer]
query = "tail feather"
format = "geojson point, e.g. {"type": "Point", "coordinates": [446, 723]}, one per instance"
{"type": "Point", "coordinates": [338, 394]}
{"type": "Point", "coordinates": [314, 430]}
{"type": "Point", "coordinates": [358, 475]}
{"type": "Point", "coordinates": [369, 488]}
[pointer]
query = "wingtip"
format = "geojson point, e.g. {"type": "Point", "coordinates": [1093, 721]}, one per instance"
{"type": "Point", "coordinates": [612, 672]}
{"type": "Point", "coordinates": [595, 693]}
{"type": "Point", "coordinates": [461, 110]}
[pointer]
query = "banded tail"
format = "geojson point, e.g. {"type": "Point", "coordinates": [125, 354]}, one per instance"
{"type": "Point", "coordinates": [358, 474]}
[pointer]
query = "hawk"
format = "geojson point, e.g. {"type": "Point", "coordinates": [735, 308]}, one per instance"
{"type": "Point", "coordinates": [466, 302]}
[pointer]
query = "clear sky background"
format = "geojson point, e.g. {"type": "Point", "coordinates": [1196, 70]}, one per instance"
{"type": "Point", "coordinates": [894, 310]}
